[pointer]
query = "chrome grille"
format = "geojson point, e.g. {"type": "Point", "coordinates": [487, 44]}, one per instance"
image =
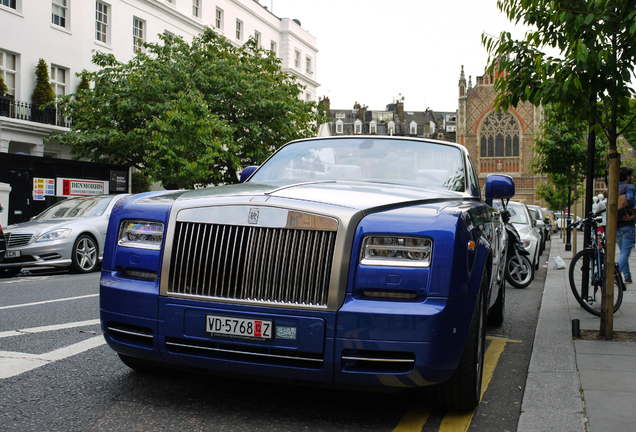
{"type": "Point", "coordinates": [277, 265]}
{"type": "Point", "coordinates": [18, 239]}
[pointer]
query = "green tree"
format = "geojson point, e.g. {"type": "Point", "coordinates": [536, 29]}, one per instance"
{"type": "Point", "coordinates": [43, 92]}
{"type": "Point", "coordinates": [591, 74]}
{"type": "Point", "coordinates": [560, 150]}
{"type": "Point", "coordinates": [84, 84]}
{"type": "Point", "coordinates": [3, 86]}
{"type": "Point", "coordinates": [188, 114]}
{"type": "Point", "coordinates": [554, 192]}
{"type": "Point", "coordinates": [140, 183]}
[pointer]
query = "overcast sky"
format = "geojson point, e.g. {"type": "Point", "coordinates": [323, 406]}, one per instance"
{"type": "Point", "coordinates": [371, 51]}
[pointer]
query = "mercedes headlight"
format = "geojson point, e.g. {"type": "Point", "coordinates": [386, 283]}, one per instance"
{"type": "Point", "coordinates": [141, 234]}
{"type": "Point", "coordinates": [396, 251]}
{"type": "Point", "coordinates": [58, 234]}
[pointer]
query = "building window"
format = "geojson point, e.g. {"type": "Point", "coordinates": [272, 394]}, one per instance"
{"type": "Point", "coordinates": [499, 136]}
{"type": "Point", "coordinates": [257, 38]}
{"type": "Point", "coordinates": [339, 126]}
{"type": "Point", "coordinates": [58, 80]}
{"type": "Point", "coordinates": [272, 47]}
{"type": "Point", "coordinates": [196, 8]}
{"type": "Point", "coordinates": [139, 27]}
{"type": "Point", "coordinates": [297, 59]}
{"type": "Point", "coordinates": [8, 66]}
{"type": "Point", "coordinates": [9, 3]}
{"type": "Point", "coordinates": [308, 68]}
{"type": "Point", "coordinates": [101, 21]}
{"type": "Point", "coordinates": [373, 127]}
{"type": "Point", "coordinates": [340, 115]}
{"type": "Point", "coordinates": [413, 128]}
{"type": "Point", "coordinates": [219, 19]}
{"type": "Point", "coordinates": [308, 97]}
{"type": "Point", "coordinates": [239, 29]}
{"type": "Point", "coordinates": [58, 16]}
{"type": "Point", "coordinates": [357, 127]}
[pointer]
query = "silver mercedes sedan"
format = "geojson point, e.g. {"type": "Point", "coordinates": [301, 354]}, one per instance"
{"type": "Point", "coordinates": [70, 233]}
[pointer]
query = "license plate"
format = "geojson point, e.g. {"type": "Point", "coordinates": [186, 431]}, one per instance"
{"type": "Point", "coordinates": [240, 328]}
{"type": "Point", "coordinates": [12, 254]}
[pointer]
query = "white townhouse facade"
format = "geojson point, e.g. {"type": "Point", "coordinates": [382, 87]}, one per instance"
{"type": "Point", "coordinates": [66, 32]}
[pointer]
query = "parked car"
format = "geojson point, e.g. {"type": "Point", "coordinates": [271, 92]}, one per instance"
{"type": "Point", "coordinates": [559, 222]}
{"type": "Point", "coordinates": [70, 233]}
{"type": "Point", "coordinates": [358, 260]}
{"type": "Point", "coordinates": [537, 216]}
{"type": "Point", "coordinates": [521, 219]}
{"type": "Point", "coordinates": [3, 244]}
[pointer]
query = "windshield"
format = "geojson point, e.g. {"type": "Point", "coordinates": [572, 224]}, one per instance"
{"type": "Point", "coordinates": [382, 160]}
{"type": "Point", "coordinates": [76, 208]}
{"type": "Point", "coordinates": [518, 214]}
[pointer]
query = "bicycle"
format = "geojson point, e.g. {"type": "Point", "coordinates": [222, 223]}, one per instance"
{"type": "Point", "coordinates": [587, 270]}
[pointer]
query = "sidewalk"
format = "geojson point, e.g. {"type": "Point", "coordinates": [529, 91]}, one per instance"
{"type": "Point", "coordinates": [577, 385]}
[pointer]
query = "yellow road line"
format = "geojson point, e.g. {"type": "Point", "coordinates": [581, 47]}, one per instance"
{"type": "Point", "coordinates": [416, 417]}
{"type": "Point", "coordinates": [413, 420]}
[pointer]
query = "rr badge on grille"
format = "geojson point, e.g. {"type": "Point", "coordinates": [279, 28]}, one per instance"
{"type": "Point", "coordinates": [253, 216]}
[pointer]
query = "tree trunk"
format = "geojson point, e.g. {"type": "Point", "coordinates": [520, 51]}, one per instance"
{"type": "Point", "coordinates": [607, 305]}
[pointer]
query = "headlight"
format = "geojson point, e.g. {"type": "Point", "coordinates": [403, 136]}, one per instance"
{"type": "Point", "coordinates": [396, 251]}
{"type": "Point", "coordinates": [141, 234]}
{"type": "Point", "coordinates": [54, 235]}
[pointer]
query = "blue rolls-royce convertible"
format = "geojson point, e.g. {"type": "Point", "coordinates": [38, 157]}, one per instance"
{"type": "Point", "coordinates": [356, 261]}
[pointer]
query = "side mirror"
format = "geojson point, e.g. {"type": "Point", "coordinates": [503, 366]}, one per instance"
{"type": "Point", "coordinates": [247, 172]}
{"type": "Point", "coordinates": [499, 186]}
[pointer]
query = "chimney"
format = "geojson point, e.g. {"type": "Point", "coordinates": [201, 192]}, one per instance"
{"type": "Point", "coordinates": [400, 111]}
{"type": "Point", "coordinates": [363, 110]}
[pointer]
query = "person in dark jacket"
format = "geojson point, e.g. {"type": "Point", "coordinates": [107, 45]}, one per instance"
{"type": "Point", "coordinates": [625, 234]}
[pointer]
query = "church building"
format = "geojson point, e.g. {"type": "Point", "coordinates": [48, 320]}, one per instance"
{"type": "Point", "coordinates": [498, 142]}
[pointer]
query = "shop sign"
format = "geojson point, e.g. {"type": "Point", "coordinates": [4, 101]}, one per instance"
{"type": "Point", "coordinates": [80, 187]}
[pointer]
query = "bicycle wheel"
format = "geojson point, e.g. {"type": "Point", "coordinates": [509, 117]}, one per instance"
{"type": "Point", "coordinates": [583, 262]}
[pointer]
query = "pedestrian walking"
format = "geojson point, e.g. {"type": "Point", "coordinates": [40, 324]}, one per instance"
{"type": "Point", "coordinates": [625, 234]}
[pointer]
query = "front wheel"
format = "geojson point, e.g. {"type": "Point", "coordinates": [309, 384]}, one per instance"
{"type": "Point", "coordinates": [586, 264]}
{"type": "Point", "coordinates": [519, 271]}
{"type": "Point", "coordinates": [84, 255]}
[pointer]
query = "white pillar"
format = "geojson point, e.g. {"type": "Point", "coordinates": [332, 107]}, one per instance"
{"type": "Point", "coordinates": [4, 146]}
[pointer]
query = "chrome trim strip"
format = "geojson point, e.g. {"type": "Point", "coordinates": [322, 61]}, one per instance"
{"type": "Point", "coordinates": [243, 352]}
{"type": "Point", "coordinates": [379, 359]}
{"type": "Point", "coordinates": [130, 332]}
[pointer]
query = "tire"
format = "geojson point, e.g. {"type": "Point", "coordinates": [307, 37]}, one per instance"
{"type": "Point", "coordinates": [10, 272]}
{"type": "Point", "coordinates": [519, 274]}
{"type": "Point", "coordinates": [497, 313]}
{"type": "Point", "coordinates": [143, 366]}
{"type": "Point", "coordinates": [85, 254]}
{"type": "Point", "coordinates": [462, 392]}
{"type": "Point", "coordinates": [581, 263]}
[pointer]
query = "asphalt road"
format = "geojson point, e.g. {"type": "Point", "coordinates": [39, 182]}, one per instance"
{"type": "Point", "coordinates": [56, 374]}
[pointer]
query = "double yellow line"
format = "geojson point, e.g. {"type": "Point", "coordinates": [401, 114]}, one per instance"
{"type": "Point", "coordinates": [416, 417]}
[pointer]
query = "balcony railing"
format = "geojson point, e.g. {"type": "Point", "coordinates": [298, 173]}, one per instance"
{"type": "Point", "coordinates": [27, 111]}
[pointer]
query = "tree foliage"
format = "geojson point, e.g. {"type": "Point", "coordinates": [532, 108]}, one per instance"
{"type": "Point", "coordinates": [596, 40]}
{"type": "Point", "coordinates": [188, 114]}
{"type": "Point", "coordinates": [554, 192]}
{"type": "Point", "coordinates": [560, 150]}
{"type": "Point", "coordinates": [3, 86]}
{"type": "Point", "coordinates": [43, 92]}
{"type": "Point", "coordinates": [84, 84]}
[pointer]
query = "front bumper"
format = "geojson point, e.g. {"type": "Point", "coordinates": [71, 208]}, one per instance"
{"type": "Point", "coordinates": [374, 343]}
{"type": "Point", "coordinates": [46, 254]}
